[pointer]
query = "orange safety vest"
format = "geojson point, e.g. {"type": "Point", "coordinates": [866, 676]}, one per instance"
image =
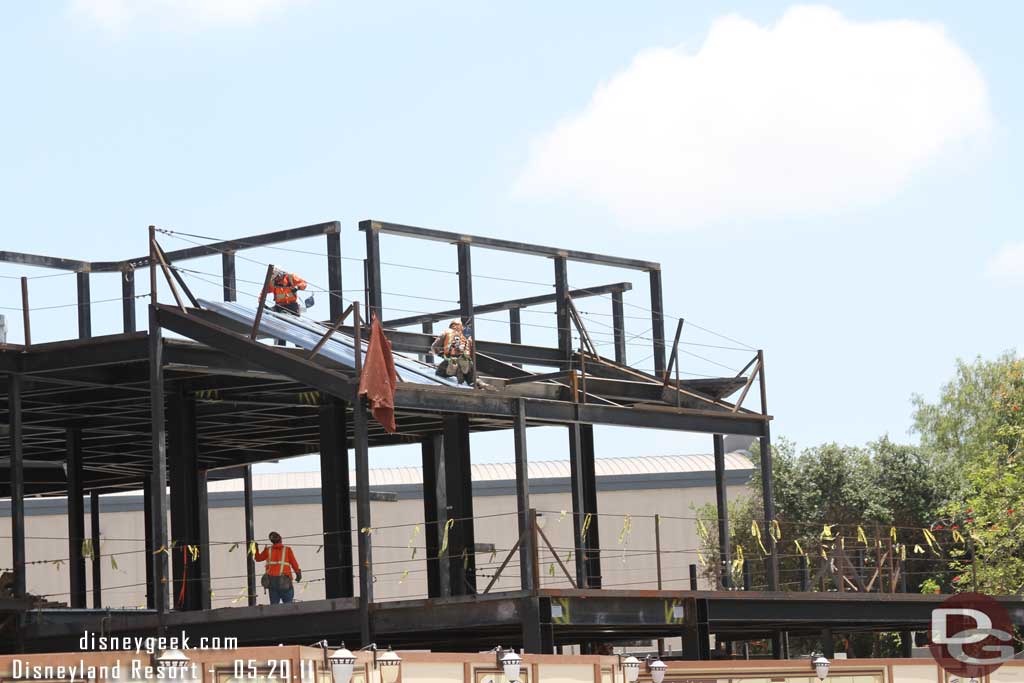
{"type": "Point", "coordinates": [453, 344]}
{"type": "Point", "coordinates": [284, 287]}
{"type": "Point", "coordinates": [279, 558]}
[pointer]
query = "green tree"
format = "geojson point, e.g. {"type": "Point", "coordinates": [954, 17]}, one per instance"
{"type": "Point", "coordinates": [977, 428]}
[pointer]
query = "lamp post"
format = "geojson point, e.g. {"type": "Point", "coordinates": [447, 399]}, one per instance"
{"type": "Point", "coordinates": [821, 667]}
{"type": "Point", "coordinates": [657, 669]}
{"type": "Point", "coordinates": [509, 662]}
{"type": "Point", "coordinates": [342, 663]}
{"type": "Point", "coordinates": [630, 668]}
{"type": "Point", "coordinates": [174, 660]}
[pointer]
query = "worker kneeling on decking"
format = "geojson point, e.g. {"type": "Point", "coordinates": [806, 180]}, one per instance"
{"type": "Point", "coordinates": [277, 578]}
{"type": "Point", "coordinates": [456, 351]}
{"type": "Point", "coordinates": [285, 288]}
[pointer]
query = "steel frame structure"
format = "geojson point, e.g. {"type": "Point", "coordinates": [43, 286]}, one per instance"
{"type": "Point", "coordinates": [138, 410]}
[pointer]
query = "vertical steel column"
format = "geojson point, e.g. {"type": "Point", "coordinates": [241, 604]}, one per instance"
{"type": "Point", "coordinates": [17, 446]}
{"type": "Point", "coordinates": [428, 329]}
{"type": "Point", "coordinates": [84, 314]}
{"type": "Point", "coordinates": [227, 270]}
{"type": "Point", "coordinates": [768, 494]}
{"type": "Point", "coordinates": [97, 566]}
{"type": "Point", "coordinates": [657, 322]}
{"type": "Point", "coordinates": [128, 300]}
{"type": "Point", "coordinates": [158, 495]}
{"type": "Point", "coordinates": [185, 503]}
{"type": "Point", "coordinates": [619, 328]}
{"type": "Point", "coordinates": [431, 448]}
{"type": "Point", "coordinates": [579, 503]}
{"type": "Point", "coordinates": [147, 514]}
{"type": "Point", "coordinates": [337, 302]}
{"type": "Point", "coordinates": [828, 644]}
{"type": "Point", "coordinates": [373, 293]}
{"type": "Point", "coordinates": [538, 632]}
{"type": "Point", "coordinates": [593, 541]}
{"type": "Point", "coordinates": [526, 578]}
{"type": "Point", "coordinates": [906, 644]}
{"type": "Point", "coordinates": [76, 517]}
{"type": "Point", "coordinates": [250, 536]}
{"type": "Point", "coordinates": [335, 503]}
{"type": "Point", "coordinates": [203, 586]}
{"type": "Point", "coordinates": [461, 558]}
{"type": "Point", "coordinates": [722, 505]}
{"type": "Point", "coordinates": [465, 284]}
{"type": "Point", "coordinates": [363, 521]}
{"type": "Point", "coordinates": [779, 642]}
{"type": "Point", "coordinates": [697, 635]}
{"type": "Point", "coordinates": [515, 329]}
{"type": "Point", "coordinates": [562, 311]}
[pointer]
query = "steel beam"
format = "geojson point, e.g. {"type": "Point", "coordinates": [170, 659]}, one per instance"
{"type": "Point", "coordinates": [183, 450]}
{"type": "Point", "coordinates": [431, 449]}
{"type": "Point", "coordinates": [363, 520]}
{"type": "Point", "coordinates": [527, 580]}
{"type": "Point", "coordinates": [579, 504]}
{"type": "Point", "coordinates": [84, 307]}
{"type": "Point", "coordinates": [229, 281]}
{"type": "Point", "coordinates": [465, 284]}
{"type": "Point", "coordinates": [43, 261]}
{"type": "Point", "coordinates": [147, 514]}
{"type": "Point", "coordinates": [538, 632]}
{"type": "Point", "coordinates": [336, 293]}
{"type": "Point", "coordinates": [76, 518]}
{"type": "Point", "coordinates": [97, 565]}
{"type": "Point", "coordinates": [657, 321]}
{"type": "Point", "coordinates": [722, 506]}
{"type": "Point", "coordinates": [504, 245]}
{"type": "Point", "coordinates": [250, 536]}
{"type": "Point", "coordinates": [509, 305]}
{"type": "Point", "coordinates": [335, 501]}
{"type": "Point", "coordinates": [215, 248]}
{"type": "Point", "coordinates": [768, 496]}
{"type": "Point", "coordinates": [17, 451]}
{"type": "Point", "coordinates": [461, 558]}
{"type": "Point", "coordinates": [158, 465]}
{"type": "Point", "coordinates": [619, 328]}
{"type": "Point", "coordinates": [128, 300]}
{"type": "Point", "coordinates": [374, 302]}
{"type": "Point", "coordinates": [593, 540]}
{"type": "Point", "coordinates": [203, 515]}
{"type": "Point", "coordinates": [562, 313]}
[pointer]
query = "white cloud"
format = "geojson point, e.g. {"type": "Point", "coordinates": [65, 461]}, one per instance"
{"type": "Point", "coordinates": [1007, 266]}
{"type": "Point", "coordinates": [812, 114]}
{"type": "Point", "coordinates": [117, 15]}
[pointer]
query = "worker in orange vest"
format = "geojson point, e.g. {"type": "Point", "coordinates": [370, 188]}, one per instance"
{"type": "Point", "coordinates": [455, 346]}
{"type": "Point", "coordinates": [277, 578]}
{"type": "Point", "coordinates": [285, 288]}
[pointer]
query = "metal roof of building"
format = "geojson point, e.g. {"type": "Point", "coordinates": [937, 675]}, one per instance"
{"type": "Point", "coordinates": [542, 469]}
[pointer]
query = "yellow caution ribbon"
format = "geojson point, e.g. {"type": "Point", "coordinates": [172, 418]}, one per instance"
{"type": "Point", "coordinates": [903, 552]}
{"type": "Point", "coordinates": [551, 569]}
{"type": "Point", "coordinates": [918, 549]}
{"type": "Point", "coordinates": [755, 531]}
{"type": "Point", "coordinates": [562, 516]}
{"type": "Point", "coordinates": [163, 549]}
{"type": "Point", "coordinates": [193, 550]}
{"type": "Point", "coordinates": [861, 536]}
{"type": "Point", "coordinates": [444, 541]}
{"type": "Point", "coordinates": [401, 579]}
{"type": "Point", "coordinates": [775, 531]}
{"type": "Point", "coordinates": [412, 540]}
{"type": "Point", "coordinates": [932, 543]}
{"type": "Point", "coordinates": [702, 530]}
{"type": "Point", "coordinates": [892, 533]}
{"type": "Point", "coordinates": [627, 528]}
{"type": "Point", "coordinates": [366, 530]}
{"type": "Point", "coordinates": [252, 548]}
{"type": "Point", "coordinates": [113, 563]}
{"type": "Point", "coordinates": [239, 598]}
{"type": "Point", "coordinates": [958, 537]}
{"type": "Point", "coordinates": [87, 548]}
{"type": "Point", "coordinates": [586, 526]}
{"type": "Point", "coordinates": [737, 563]}
{"type": "Point", "coordinates": [826, 531]}
{"type": "Point", "coordinates": [799, 548]}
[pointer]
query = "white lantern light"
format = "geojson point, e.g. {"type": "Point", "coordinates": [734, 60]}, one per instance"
{"type": "Point", "coordinates": [631, 669]}
{"type": "Point", "coordinates": [511, 664]}
{"type": "Point", "coordinates": [389, 664]}
{"type": "Point", "coordinates": [657, 669]}
{"type": "Point", "coordinates": [172, 659]}
{"type": "Point", "coordinates": [821, 667]}
{"type": "Point", "coordinates": [342, 662]}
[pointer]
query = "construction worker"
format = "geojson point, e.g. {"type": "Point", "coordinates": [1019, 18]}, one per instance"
{"type": "Point", "coordinates": [285, 287]}
{"type": "Point", "coordinates": [277, 578]}
{"type": "Point", "coordinates": [455, 348]}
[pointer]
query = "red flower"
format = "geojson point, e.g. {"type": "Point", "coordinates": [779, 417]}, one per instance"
{"type": "Point", "coordinates": [956, 579]}
{"type": "Point", "coordinates": [955, 526]}
{"type": "Point", "coordinates": [1010, 511]}
{"type": "Point", "coordinates": [968, 520]}
{"type": "Point", "coordinates": [938, 527]}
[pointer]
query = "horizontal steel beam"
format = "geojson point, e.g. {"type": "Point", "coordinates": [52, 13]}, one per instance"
{"type": "Point", "coordinates": [506, 245]}
{"type": "Point", "coordinates": [511, 303]}
{"type": "Point", "coordinates": [240, 244]}
{"type": "Point", "coordinates": [45, 261]}
{"type": "Point", "coordinates": [273, 359]}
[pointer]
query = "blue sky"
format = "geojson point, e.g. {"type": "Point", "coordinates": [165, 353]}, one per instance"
{"type": "Point", "coordinates": [864, 230]}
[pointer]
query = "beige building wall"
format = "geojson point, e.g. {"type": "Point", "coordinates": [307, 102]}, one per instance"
{"type": "Point", "coordinates": [626, 526]}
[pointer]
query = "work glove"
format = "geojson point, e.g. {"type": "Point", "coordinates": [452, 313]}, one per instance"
{"type": "Point", "coordinates": [298, 576]}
